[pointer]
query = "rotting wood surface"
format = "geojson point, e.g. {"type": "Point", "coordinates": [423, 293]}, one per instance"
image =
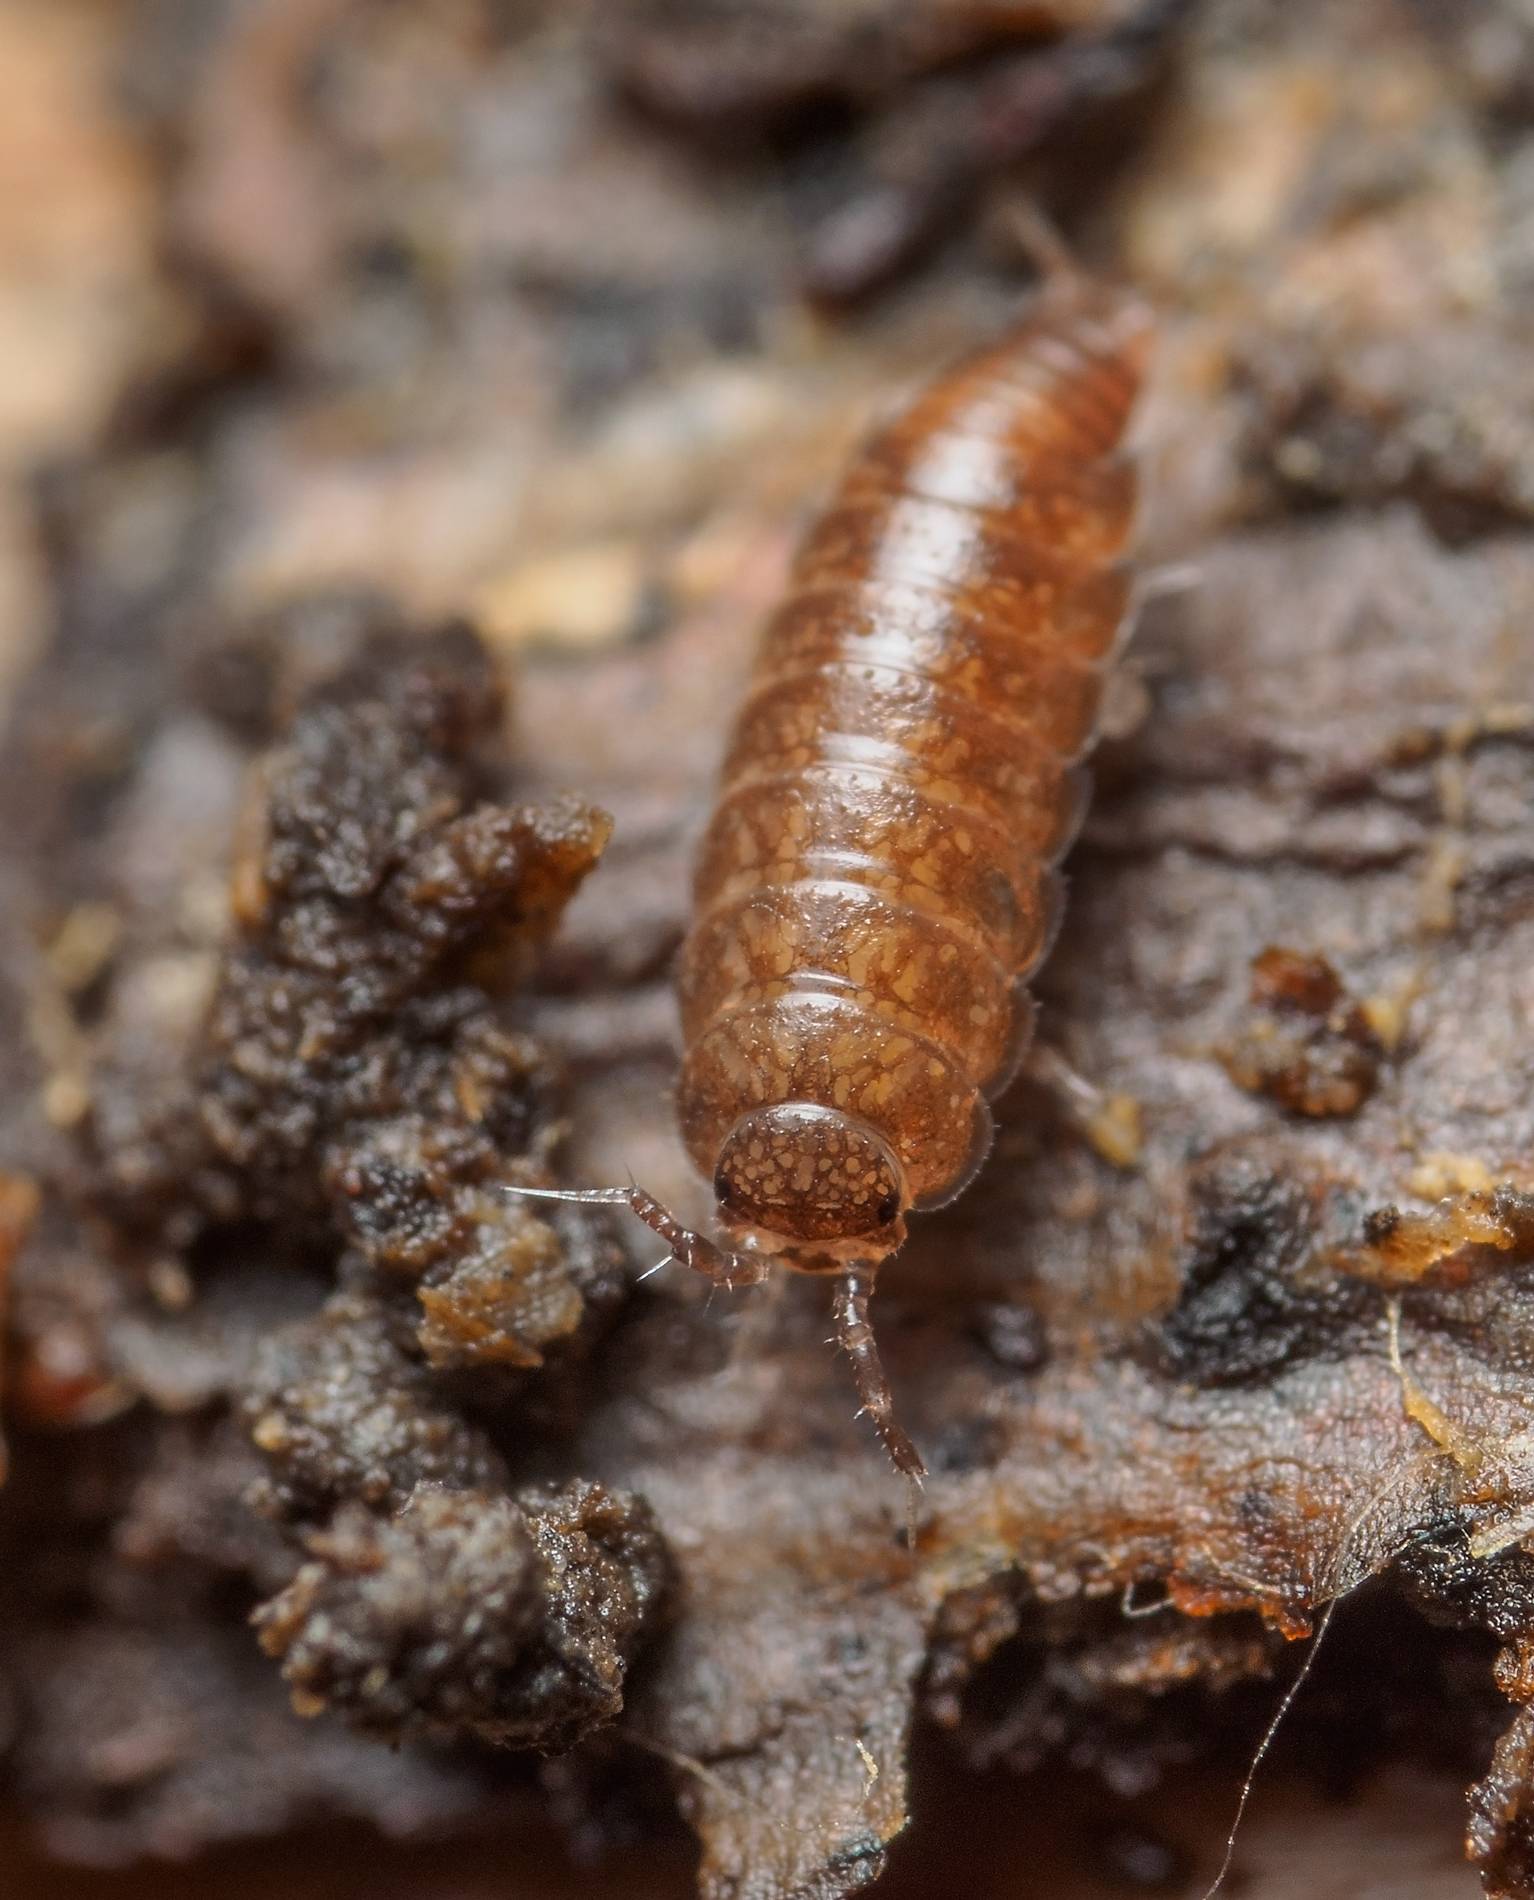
{"type": "Point", "coordinates": [485, 345]}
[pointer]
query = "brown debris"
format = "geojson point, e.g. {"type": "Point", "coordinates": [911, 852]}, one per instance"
{"type": "Point", "coordinates": [468, 1612]}
{"type": "Point", "coordinates": [1462, 1236]}
{"type": "Point", "coordinates": [352, 1091]}
{"type": "Point", "coordinates": [1309, 1045]}
{"type": "Point", "coordinates": [342, 1411]}
{"type": "Point", "coordinates": [352, 1071]}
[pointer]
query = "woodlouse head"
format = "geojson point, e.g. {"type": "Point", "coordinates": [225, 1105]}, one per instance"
{"type": "Point", "coordinates": [801, 1175]}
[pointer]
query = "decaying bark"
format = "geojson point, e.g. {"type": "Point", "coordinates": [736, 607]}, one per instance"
{"type": "Point", "coordinates": [313, 939]}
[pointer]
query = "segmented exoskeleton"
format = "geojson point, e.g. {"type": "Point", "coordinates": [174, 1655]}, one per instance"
{"type": "Point", "coordinates": [878, 879]}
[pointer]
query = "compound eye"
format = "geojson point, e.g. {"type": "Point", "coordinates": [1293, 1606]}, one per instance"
{"type": "Point", "coordinates": [724, 1191]}
{"type": "Point", "coordinates": [888, 1209]}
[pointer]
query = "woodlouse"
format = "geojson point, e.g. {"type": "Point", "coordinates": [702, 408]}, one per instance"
{"type": "Point", "coordinates": [878, 879]}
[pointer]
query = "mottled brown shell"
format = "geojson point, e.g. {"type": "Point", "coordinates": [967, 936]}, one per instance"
{"type": "Point", "coordinates": [878, 879]}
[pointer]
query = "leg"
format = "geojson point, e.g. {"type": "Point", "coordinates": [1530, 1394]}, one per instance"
{"type": "Point", "coordinates": [1110, 1122]}
{"type": "Point", "coordinates": [693, 1250]}
{"type": "Point", "coordinates": [856, 1338]}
